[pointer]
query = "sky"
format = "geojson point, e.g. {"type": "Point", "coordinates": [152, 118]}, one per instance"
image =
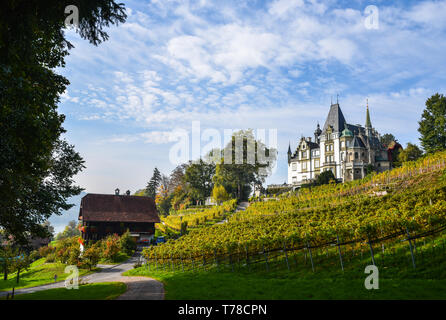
{"type": "Point", "coordinates": [245, 64]}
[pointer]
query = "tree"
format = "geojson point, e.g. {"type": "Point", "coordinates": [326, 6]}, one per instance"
{"type": "Point", "coordinates": [71, 230]}
{"type": "Point", "coordinates": [198, 178]}
{"type": "Point", "coordinates": [387, 138]}
{"type": "Point", "coordinates": [219, 194]}
{"type": "Point", "coordinates": [50, 229]}
{"type": "Point", "coordinates": [325, 178]}
{"type": "Point", "coordinates": [91, 256]}
{"type": "Point", "coordinates": [433, 124]}
{"type": "Point", "coordinates": [248, 166]}
{"type": "Point", "coordinates": [154, 183]}
{"type": "Point", "coordinates": [410, 153]}
{"type": "Point", "coordinates": [176, 178]}
{"type": "Point", "coordinates": [36, 164]}
{"type": "Point", "coordinates": [128, 244]}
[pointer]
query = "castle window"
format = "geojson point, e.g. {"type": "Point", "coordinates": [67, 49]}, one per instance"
{"type": "Point", "coordinates": [316, 163]}
{"type": "Point", "coordinates": [294, 166]}
{"type": "Point", "coordinates": [304, 165]}
{"type": "Point", "coordinates": [342, 144]}
{"type": "Point", "coordinates": [342, 156]}
{"type": "Point", "coordinates": [304, 154]}
{"type": "Point", "coordinates": [356, 155]}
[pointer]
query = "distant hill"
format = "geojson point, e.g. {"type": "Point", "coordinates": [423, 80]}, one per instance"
{"type": "Point", "coordinates": [59, 222]}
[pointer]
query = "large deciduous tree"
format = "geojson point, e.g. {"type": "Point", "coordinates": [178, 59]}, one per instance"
{"type": "Point", "coordinates": [36, 164]}
{"type": "Point", "coordinates": [249, 164]}
{"type": "Point", "coordinates": [433, 124]}
{"type": "Point", "coordinates": [410, 153]}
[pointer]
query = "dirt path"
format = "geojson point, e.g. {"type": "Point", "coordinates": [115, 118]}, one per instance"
{"type": "Point", "coordinates": [138, 288]}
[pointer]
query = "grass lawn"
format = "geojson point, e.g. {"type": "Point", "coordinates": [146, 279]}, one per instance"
{"type": "Point", "coordinates": [93, 291]}
{"type": "Point", "coordinates": [397, 278]}
{"type": "Point", "coordinates": [38, 274]}
{"type": "Point", "coordinates": [121, 257]}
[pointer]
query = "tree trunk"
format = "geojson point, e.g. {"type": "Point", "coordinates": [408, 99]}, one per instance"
{"type": "Point", "coordinates": [18, 275]}
{"type": "Point", "coordinates": [5, 277]}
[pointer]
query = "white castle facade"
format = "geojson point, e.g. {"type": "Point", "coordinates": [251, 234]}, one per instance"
{"type": "Point", "coordinates": [345, 149]}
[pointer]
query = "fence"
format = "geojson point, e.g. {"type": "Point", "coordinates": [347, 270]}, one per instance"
{"type": "Point", "coordinates": [291, 256]}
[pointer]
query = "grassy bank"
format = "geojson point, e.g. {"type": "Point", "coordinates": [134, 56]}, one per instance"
{"type": "Point", "coordinates": [94, 291]}
{"type": "Point", "coordinates": [38, 274]}
{"type": "Point", "coordinates": [397, 277]}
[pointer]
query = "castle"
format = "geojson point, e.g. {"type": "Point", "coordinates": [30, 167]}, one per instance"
{"type": "Point", "coordinates": [349, 151]}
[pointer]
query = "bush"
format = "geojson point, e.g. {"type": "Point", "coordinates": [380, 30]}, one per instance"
{"type": "Point", "coordinates": [44, 251]}
{"type": "Point", "coordinates": [111, 247]}
{"type": "Point", "coordinates": [91, 256]}
{"type": "Point", "coordinates": [51, 257]}
{"type": "Point", "coordinates": [127, 243]}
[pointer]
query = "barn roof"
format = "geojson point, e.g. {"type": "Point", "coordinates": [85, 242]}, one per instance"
{"type": "Point", "coordinates": [118, 208]}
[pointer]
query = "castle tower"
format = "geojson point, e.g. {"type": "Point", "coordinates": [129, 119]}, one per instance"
{"type": "Point", "coordinates": [368, 123]}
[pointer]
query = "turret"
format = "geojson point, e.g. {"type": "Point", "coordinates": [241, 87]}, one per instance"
{"type": "Point", "coordinates": [289, 153]}
{"type": "Point", "coordinates": [368, 123]}
{"type": "Point", "coordinates": [317, 133]}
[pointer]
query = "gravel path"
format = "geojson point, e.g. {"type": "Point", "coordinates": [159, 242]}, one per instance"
{"type": "Point", "coordinates": [138, 288]}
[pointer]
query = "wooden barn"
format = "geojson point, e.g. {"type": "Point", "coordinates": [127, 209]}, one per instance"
{"type": "Point", "coordinates": [103, 214]}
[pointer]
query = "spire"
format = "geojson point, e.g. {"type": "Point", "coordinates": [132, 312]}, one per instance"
{"type": "Point", "coordinates": [289, 147]}
{"type": "Point", "coordinates": [368, 123]}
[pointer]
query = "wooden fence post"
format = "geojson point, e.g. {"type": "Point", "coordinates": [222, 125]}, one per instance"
{"type": "Point", "coordinates": [230, 259]}
{"type": "Point", "coordinates": [215, 260]}
{"type": "Point", "coordinates": [286, 255]}
{"type": "Point", "coordinates": [266, 258]}
{"type": "Point", "coordinates": [411, 250]}
{"type": "Point", "coordinates": [247, 258]}
{"type": "Point", "coordinates": [340, 253]}
{"type": "Point", "coordinates": [311, 256]}
{"type": "Point", "coordinates": [371, 250]}
{"type": "Point", "coordinates": [156, 263]}
{"type": "Point", "coordinates": [192, 261]}
{"type": "Point", "coordinates": [181, 258]}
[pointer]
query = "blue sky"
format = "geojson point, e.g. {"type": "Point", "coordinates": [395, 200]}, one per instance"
{"type": "Point", "coordinates": [244, 64]}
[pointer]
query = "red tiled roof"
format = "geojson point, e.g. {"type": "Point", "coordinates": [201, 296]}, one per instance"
{"type": "Point", "coordinates": [118, 208]}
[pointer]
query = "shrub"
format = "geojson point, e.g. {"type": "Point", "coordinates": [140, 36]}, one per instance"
{"type": "Point", "coordinates": [127, 243]}
{"type": "Point", "coordinates": [91, 256]}
{"type": "Point", "coordinates": [51, 257]}
{"type": "Point", "coordinates": [111, 247]}
{"type": "Point", "coordinates": [44, 251]}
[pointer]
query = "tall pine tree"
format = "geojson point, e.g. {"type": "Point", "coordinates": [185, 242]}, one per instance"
{"type": "Point", "coordinates": [433, 124]}
{"type": "Point", "coordinates": [154, 183]}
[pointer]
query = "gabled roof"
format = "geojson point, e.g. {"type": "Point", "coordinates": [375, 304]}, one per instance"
{"type": "Point", "coordinates": [118, 208]}
{"type": "Point", "coordinates": [335, 119]}
{"type": "Point", "coordinates": [357, 143]}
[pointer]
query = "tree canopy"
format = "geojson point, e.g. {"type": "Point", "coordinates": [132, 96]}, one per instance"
{"type": "Point", "coordinates": [36, 164]}
{"type": "Point", "coordinates": [433, 124]}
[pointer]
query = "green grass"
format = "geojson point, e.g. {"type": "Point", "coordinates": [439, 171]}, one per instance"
{"type": "Point", "coordinates": [288, 286]}
{"type": "Point", "coordinates": [38, 274]}
{"type": "Point", "coordinates": [120, 258]}
{"type": "Point", "coordinates": [94, 291]}
{"type": "Point", "coordinates": [397, 278]}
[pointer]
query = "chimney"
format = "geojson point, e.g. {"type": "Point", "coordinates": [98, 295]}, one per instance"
{"type": "Point", "coordinates": [117, 192]}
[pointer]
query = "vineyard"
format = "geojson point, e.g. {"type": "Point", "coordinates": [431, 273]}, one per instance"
{"type": "Point", "coordinates": [392, 209]}
{"type": "Point", "coordinates": [195, 217]}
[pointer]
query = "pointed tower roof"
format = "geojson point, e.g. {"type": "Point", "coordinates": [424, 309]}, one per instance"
{"type": "Point", "coordinates": [289, 147]}
{"type": "Point", "coordinates": [368, 123]}
{"type": "Point", "coordinates": [335, 119]}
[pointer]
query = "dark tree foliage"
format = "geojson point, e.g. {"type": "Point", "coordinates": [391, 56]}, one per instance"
{"type": "Point", "coordinates": [387, 138]}
{"type": "Point", "coordinates": [154, 183]}
{"type": "Point", "coordinates": [433, 124]}
{"type": "Point", "coordinates": [325, 178]}
{"type": "Point", "coordinates": [36, 165]}
{"type": "Point", "coordinates": [198, 179]}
